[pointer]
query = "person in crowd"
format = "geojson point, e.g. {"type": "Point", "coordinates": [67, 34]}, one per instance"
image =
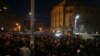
{"type": "Point", "coordinates": [24, 50]}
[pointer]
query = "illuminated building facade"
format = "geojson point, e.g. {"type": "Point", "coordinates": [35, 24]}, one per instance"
{"type": "Point", "coordinates": [63, 17]}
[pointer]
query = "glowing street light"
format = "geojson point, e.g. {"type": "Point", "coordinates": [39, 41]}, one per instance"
{"type": "Point", "coordinates": [2, 28]}
{"type": "Point", "coordinates": [4, 7]}
{"type": "Point", "coordinates": [76, 18]}
{"type": "Point", "coordinates": [30, 13]}
{"type": "Point", "coordinates": [17, 24]}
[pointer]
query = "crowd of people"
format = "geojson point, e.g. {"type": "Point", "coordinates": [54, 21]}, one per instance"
{"type": "Point", "coordinates": [66, 46]}
{"type": "Point", "coordinates": [14, 44]}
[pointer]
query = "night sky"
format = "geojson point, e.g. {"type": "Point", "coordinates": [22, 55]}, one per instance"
{"type": "Point", "coordinates": [18, 6]}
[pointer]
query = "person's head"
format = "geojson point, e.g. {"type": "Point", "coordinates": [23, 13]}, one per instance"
{"type": "Point", "coordinates": [24, 43]}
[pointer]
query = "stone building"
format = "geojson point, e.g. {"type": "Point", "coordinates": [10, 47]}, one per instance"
{"type": "Point", "coordinates": [75, 16]}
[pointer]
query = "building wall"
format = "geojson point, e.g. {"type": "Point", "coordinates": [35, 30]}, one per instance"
{"type": "Point", "coordinates": [57, 17]}
{"type": "Point", "coordinates": [89, 17]}
{"type": "Point", "coordinates": [60, 19]}
{"type": "Point", "coordinates": [69, 17]}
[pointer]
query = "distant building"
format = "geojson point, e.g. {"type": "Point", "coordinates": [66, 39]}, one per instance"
{"type": "Point", "coordinates": [64, 17]}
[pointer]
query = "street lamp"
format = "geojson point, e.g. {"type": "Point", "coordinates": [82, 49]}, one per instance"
{"type": "Point", "coordinates": [76, 18]}
{"type": "Point", "coordinates": [30, 13]}
{"type": "Point", "coordinates": [17, 24]}
{"type": "Point", "coordinates": [4, 7]}
{"type": "Point", "coordinates": [2, 28]}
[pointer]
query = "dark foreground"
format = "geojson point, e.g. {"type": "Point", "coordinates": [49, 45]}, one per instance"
{"type": "Point", "coordinates": [13, 44]}
{"type": "Point", "coordinates": [19, 45]}
{"type": "Point", "coordinates": [68, 46]}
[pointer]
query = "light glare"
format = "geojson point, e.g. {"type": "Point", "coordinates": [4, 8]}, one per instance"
{"type": "Point", "coordinates": [30, 13]}
{"type": "Point", "coordinates": [2, 28]}
{"type": "Point", "coordinates": [77, 17]}
{"type": "Point", "coordinates": [5, 8]}
{"type": "Point", "coordinates": [58, 34]}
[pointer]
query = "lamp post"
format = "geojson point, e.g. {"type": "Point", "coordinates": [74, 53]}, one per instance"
{"type": "Point", "coordinates": [32, 27]}
{"type": "Point", "coordinates": [76, 18]}
{"type": "Point", "coordinates": [4, 8]}
{"type": "Point", "coordinates": [2, 14]}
